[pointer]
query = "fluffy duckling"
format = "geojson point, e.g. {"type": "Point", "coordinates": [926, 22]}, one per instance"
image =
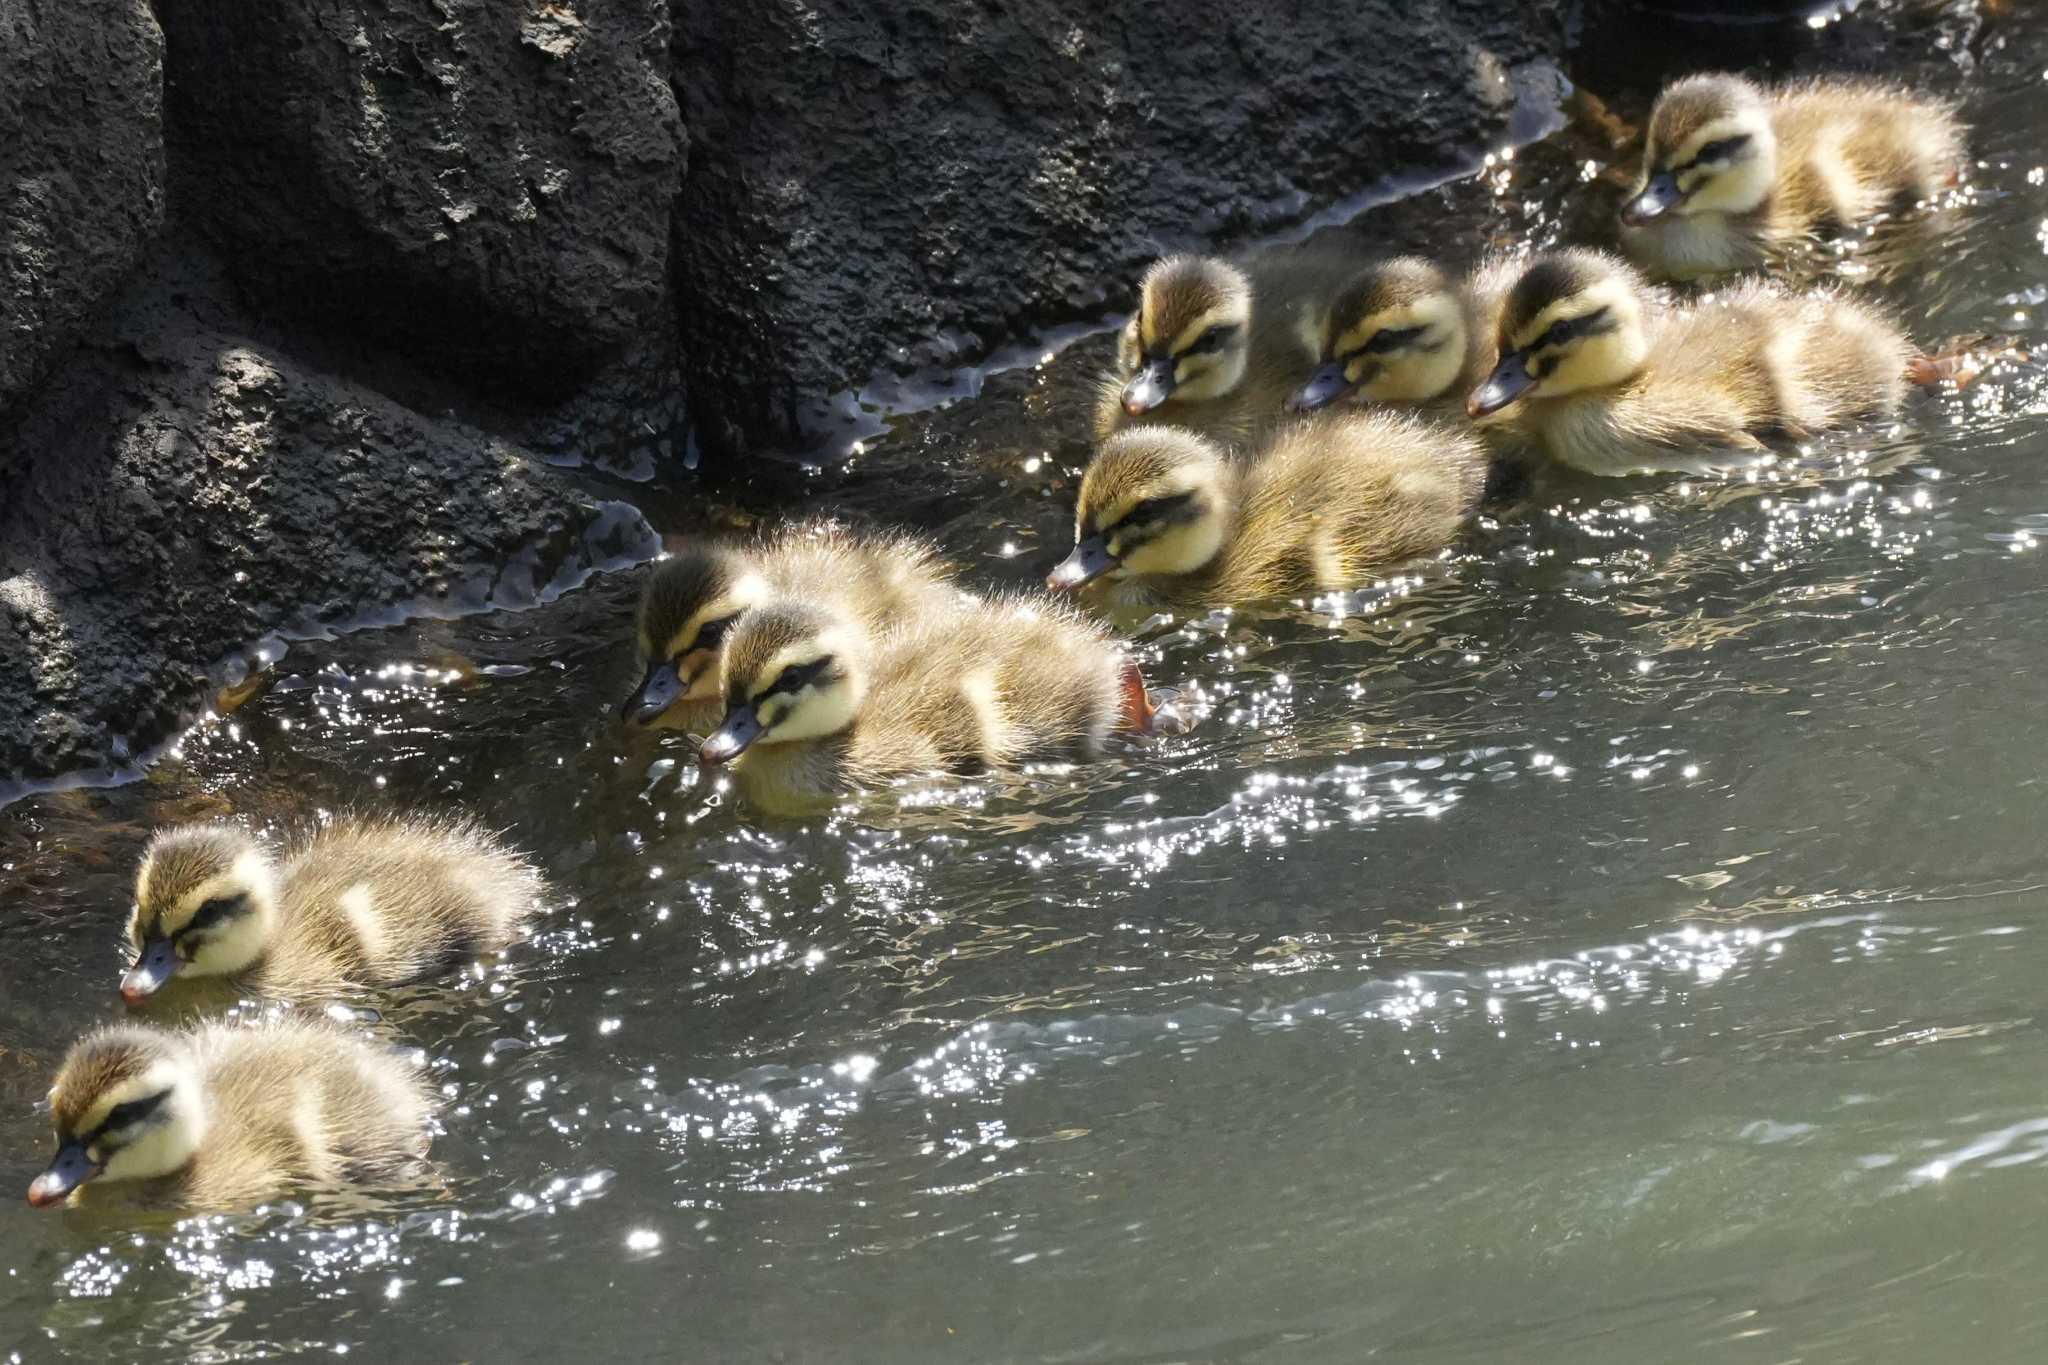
{"type": "Point", "coordinates": [694, 597]}
{"type": "Point", "coordinates": [819, 706]}
{"type": "Point", "coordinates": [223, 1118]}
{"type": "Point", "coordinates": [1733, 172]}
{"type": "Point", "coordinates": [1168, 521]}
{"type": "Point", "coordinates": [1216, 347]}
{"type": "Point", "coordinates": [1611, 382]}
{"type": "Point", "coordinates": [1403, 332]}
{"type": "Point", "coordinates": [365, 902]}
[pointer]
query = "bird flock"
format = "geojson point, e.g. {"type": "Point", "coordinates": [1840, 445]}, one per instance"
{"type": "Point", "coordinates": [1295, 422]}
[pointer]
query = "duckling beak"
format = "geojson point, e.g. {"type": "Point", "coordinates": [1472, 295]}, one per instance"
{"type": "Point", "coordinates": [1658, 198]}
{"type": "Point", "coordinates": [1510, 380]}
{"type": "Point", "coordinates": [1149, 387]}
{"type": "Point", "coordinates": [154, 965]}
{"type": "Point", "coordinates": [72, 1167]}
{"type": "Point", "coordinates": [1089, 561]}
{"type": "Point", "coordinates": [740, 729]}
{"type": "Point", "coordinates": [1324, 387]}
{"type": "Point", "coordinates": [656, 693]}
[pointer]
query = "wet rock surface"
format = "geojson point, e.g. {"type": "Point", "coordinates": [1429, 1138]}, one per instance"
{"type": "Point", "coordinates": [81, 170]}
{"type": "Point", "coordinates": [484, 186]}
{"type": "Point", "coordinates": [196, 490]}
{"type": "Point", "coordinates": [904, 187]}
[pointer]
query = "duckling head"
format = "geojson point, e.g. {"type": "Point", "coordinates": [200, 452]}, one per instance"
{"type": "Point", "coordinates": [689, 604]}
{"type": "Point", "coordinates": [1190, 337]}
{"type": "Point", "coordinates": [1710, 150]}
{"type": "Point", "coordinates": [1395, 333]}
{"type": "Point", "coordinates": [791, 672]}
{"type": "Point", "coordinates": [1154, 501]}
{"type": "Point", "coordinates": [1573, 321]}
{"type": "Point", "coordinates": [205, 905]}
{"type": "Point", "coordinates": [126, 1105]}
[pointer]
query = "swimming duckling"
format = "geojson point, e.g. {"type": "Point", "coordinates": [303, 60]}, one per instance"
{"type": "Point", "coordinates": [1168, 521]}
{"type": "Point", "coordinates": [1218, 348]}
{"type": "Point", "coordinates": [364, 902]}
{"type": "Point", "coordinates": [694, 597]}
{"type": "Point", "coordinates": [223, 1118]}
{"type": "Point", "coordinates": [1403, 332]}
{"type": "Point", "coordinates": [1610, 382]}
{"type": "Point", "coordinates": [1733, 173]}
{"type": "Point", "coordinates": [819, 705]}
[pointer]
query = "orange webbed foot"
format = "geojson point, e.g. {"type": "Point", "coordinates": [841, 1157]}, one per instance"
{"type": "Point", "coordinates": [1150, 713]}
{"type": "Point", "coordinates": [1962, 359]}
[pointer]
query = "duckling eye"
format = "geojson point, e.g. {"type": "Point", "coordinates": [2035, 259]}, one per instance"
{"type": "Point", "coordinates": [1155, 509]}
{"type": "Point", "coordinates": [1211, 340]}
{"type": "Point", "coordinates": [211, 913]}
{"type": "Point", "coordinates": [127, 1115]}
{"type": "Point", "coordinates": [1146, 509]}
{"type": "Point", "coordinates": [711, 633]}
{"type": "Point", "coordinates": [1391, 339]}
{"type": "Point", "coordinates": [1564, 329]}
{"type": "Point", "coordinates": [1721, 149]}
{"type": "Point", "coordinates": [798, 676]}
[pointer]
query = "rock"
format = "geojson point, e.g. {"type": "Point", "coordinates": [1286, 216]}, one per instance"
{"type": "Point", "coordinates": [894, 186]}
{"type": "Point", "coordinates": [486, 186]}
{"type": "Point", "coordinates": [195, 491]}
{"type": "Point", "coordinates": [81, 169]}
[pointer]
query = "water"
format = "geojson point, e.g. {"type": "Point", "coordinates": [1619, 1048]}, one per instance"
{"type": "Point", "coordinates": [1614, 943]}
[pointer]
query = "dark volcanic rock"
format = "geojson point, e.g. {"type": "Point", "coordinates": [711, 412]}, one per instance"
{"type": "Point", "coordinates": [899, 185]}
{"type": "Point", "coordinates": [485, 185]}
{"type": "Point", "coordinates": [81, 169]}
{"type": "Point", "coordinates": [194, 492]}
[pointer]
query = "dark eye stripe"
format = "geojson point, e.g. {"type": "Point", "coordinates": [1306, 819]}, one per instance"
{"type": "Point", "coordinates": [1388, 339]}
{"type": "Point", "coordinates": [122, 1115]}
{"type": "Point", "coordinates": [795, 678]}
{"type": "Point", "coordinates": [1153, 510]}
{"type": "Point", "coordinates": [711, 633]}
{"type": "Point", "coordinates": [210, 914]}
{"type": "Point", "coordinates": [1211, 340]}
{"type": "Point", "coordinates": [1560, 332]}
{"type": "Point", "coordinates": [1713, 151]}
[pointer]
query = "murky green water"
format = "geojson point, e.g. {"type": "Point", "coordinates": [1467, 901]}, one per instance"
{"type": "Point", "coordinates": [1619, 943]}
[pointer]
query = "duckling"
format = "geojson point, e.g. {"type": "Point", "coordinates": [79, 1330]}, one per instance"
{"type": "Point", "coordinates": [1734, 173]}
{"type": "Point", "coordinates": [1403, 332]}
{"type": "Point", "coordinates": [363, 902]}
{"type": "Point", "coordinates": [819, 705]}
{"type": "Point", "coordinates": [1168, 521]}
{"type": "Point", "coordinates": [694, 597]}
{"type": "Point", "coordinates": [222, 1118]}
{"type": "Point", "coordinates": [1610, 382]}
{"type": "Point", "coordinates": [1217, 347]}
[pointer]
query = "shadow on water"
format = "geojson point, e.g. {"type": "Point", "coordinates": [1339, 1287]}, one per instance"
{"type": "Point", "coordinates": [1614, 941]}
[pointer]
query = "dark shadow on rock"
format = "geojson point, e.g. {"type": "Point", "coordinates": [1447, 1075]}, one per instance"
{"type": "Point", "coordinates": [182, 492]}
{"type": "Point", "coordinates": [81, 170]}
{"type": "Point", "coordinates": [483, 186]}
